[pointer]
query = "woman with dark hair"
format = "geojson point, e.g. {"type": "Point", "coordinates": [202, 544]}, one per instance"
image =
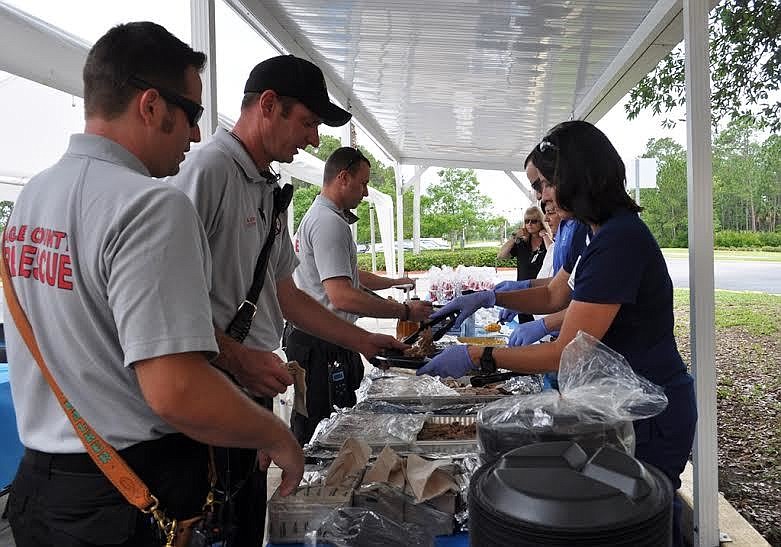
{"type": "Point", "coordinates": [618, 290]}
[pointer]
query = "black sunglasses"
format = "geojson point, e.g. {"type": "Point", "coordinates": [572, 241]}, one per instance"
{"type": "Point", "coordinates": [191, 109]}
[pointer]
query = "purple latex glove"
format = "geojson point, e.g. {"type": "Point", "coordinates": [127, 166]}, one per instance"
{"type": "Point", "coordinates": [528, 333]}
{"type": "Point", "coordinates": [507, 286]}
{"type": "Point", "coordinates": [505, 315]}
{"type": "Point", "coordinates": [454, 362]}
{"type": "Point", "coordinates": [466, 305]}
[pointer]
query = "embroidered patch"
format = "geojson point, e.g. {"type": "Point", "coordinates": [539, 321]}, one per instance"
{"type": "Point", "coordinates": [251, 220]}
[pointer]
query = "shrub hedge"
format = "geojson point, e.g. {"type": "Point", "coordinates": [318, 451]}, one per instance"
{"type": "Point", "coordinates": [470, 256]}
{"type": "Point", "coordinates": [747, 240]}
{"type": "Point", "coordinates": [486, 256]}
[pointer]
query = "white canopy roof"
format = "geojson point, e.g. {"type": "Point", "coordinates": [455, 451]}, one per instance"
{"type": "Point", "coordinates": [472, 83]}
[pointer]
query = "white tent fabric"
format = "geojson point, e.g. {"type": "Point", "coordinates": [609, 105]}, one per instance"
{"type": "Point", "coordinates": [41, 52]}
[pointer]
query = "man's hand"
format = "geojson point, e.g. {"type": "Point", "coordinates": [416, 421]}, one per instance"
{"type": "Point", "coordinates": [262, 372]}
{"type": "Point", "coordinates": [289, 457]}
{"type": "Point", "coordinates": [371, 345]}
{"type": "Point", "coordinates": [405, 281]}
{"type": "Point", "coordinates": [419, 310]}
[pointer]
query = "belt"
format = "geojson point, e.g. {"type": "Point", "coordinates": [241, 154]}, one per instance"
{"type": "Point", "coordinates": [137, 456]}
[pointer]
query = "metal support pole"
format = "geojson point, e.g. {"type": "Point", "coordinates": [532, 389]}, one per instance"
{"type": "Point", "coordinates": [373, 238]}
{"type": "Point", "coordinates": [701, 298]}
{"type": "Point", "coordinates": [399, 220]}
{"type": "Point", "coordinates": [637, 181]}
{"type": "Point", "coordinates": [203, 39]}
{"type": "Point", "coordinates": [416, 218]}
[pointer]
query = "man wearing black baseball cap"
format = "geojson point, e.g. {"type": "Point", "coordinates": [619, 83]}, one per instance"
{"type": "Point", "coordinates": [291, 76]}
{"type": "Point", "coordinates": [231, 184]}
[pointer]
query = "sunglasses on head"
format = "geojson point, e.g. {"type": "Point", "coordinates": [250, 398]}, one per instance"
{"type": "Point", "coordinates": [358, 157]}
{"type": "Point", "coordinates": [191, 109]}
{"type": "Point", "coordinates": [545, 146]}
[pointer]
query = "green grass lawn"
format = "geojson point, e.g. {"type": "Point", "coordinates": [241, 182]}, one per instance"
{"type": "Point", "coordinates": [720, 254]}
{"type": "Point", "coordinates": [743, 256]}
{"type": "Point", "coordinates": [758, 313]}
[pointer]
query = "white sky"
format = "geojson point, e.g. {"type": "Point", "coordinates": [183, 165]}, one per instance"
{"type": "Point", "coordinates": [44, 117]}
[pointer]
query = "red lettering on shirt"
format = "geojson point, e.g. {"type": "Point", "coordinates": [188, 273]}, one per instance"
{"type": "Point", "coordinates": [40, 259]}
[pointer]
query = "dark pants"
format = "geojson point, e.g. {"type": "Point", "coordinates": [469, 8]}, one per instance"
{"type": "Point", "coordinates": [64, 500]}
{"type": "Point", "coordinates": [238, 473]}
{"type": "Point", "coordinates": [665, 441]}
{"type": "Point", "coordinates": [327, 384]}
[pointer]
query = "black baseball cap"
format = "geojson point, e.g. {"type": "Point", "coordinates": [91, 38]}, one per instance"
{"type": "Point", "coordinates": [292, 76]}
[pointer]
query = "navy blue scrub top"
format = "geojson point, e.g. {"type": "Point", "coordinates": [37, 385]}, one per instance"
{"type": "Point", "coordinates": [624, 265]}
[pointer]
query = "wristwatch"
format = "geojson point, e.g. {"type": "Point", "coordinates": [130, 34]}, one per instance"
{"type": "Point", "coordinates": [487, 362]}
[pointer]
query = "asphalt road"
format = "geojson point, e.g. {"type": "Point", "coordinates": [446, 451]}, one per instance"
{"type": "Point", "coordinates": [732, 275]}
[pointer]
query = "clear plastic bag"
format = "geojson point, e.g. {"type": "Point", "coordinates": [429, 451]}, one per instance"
{"type": "Point", "coordinates": [600, 395]}
{"type": "Point", "coordinates": [374, 429]}
{"type": "Point", "coordinates": [356, 527]}
{"type": "Point", "coordinates": [408, 386]}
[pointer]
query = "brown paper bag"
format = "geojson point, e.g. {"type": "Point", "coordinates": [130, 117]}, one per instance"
{"type": "Point", "coordinates": [352, 458]}
{"type": "Point", "coordinates": [426, 479]}
{"type": "Point", "coordinates": [388, 468]}
{"type": "Point", "coordinates": [299, 385]}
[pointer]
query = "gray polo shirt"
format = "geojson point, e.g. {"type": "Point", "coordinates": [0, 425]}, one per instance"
{"type": "Point", "coordinates": [111, 267]}
{"type": "Point", "coordinates": [325, 249]}
{"type": "Point", "coordinates": [235, 203]}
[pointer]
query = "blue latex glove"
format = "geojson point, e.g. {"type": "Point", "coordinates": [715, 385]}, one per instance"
{"type": "Point", "coordinates": [466, 306]}
{"type": "Point", "coordinates": [507, 286]}
{"type": "Point", "coordinates": [454, 362]}
{"type": "Point", "coordinates": [528, 333]}
{"type": "Point", "coordinates": [505, 315]}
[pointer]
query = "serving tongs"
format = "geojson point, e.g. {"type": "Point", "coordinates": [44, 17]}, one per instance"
{"type": "Point", "coordinates": [482, 380]}
{"type": "Point", "coordinates": [445, 323]}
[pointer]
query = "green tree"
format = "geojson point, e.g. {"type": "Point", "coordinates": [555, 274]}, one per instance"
{"type": "Point", "coordinates": [665, 207]}
{"type": "Point", "coordinates": [454, 207]}
{"type": "Point", "coordinates": [745, 56]}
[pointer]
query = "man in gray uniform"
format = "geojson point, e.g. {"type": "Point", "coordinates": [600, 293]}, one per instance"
{"type": "Point", "coordinates": [329, 273]}
{"type": "Point", "coordinates": [230, 182]}
{"type": "Point", "coordinates": [113, 270]}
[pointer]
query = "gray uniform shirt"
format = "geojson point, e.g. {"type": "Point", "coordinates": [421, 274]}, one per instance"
{"type": "Point", "coordinates": [235, 203]}
{"type": "Point", "coordinates": [111, 267]}
{"type": "Point", "coordinates": [325, 249]}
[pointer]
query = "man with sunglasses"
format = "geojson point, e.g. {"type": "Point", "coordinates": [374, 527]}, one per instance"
{"type": "Point", "coordinates": [328, 272]}
{"type": "Point", "coordinates": [230, 182]}
{"type": "Point", "coordinates": [112, 269]}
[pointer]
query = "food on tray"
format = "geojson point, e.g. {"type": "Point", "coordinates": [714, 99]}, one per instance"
{"type": "Point", "coordinates": [471, 390]}
{"type": "Point", "coordinates": [455, 431]}
{"type": "Point", "coordinates": [483, 340]}
{"type": "Point", "coordinates": [492, 327]}
{"type": "Point", "coordinates": [423, 347]}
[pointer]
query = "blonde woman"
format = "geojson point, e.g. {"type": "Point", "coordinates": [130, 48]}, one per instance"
{"type": "Point", "coordinates": [527, 244]}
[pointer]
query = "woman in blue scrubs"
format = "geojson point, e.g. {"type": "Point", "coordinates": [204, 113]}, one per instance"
{"type": "Point", "coordinates": [619, 291]}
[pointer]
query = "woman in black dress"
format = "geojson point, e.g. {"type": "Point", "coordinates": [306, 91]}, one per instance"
{"type": "Point", "coordinates": [526, 244]}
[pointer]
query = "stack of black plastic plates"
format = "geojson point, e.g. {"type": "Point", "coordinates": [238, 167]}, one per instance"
{"type": "Point", "coordinates": [555, 494]}
{"type": "Point", "coordinates": [497, 437]}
